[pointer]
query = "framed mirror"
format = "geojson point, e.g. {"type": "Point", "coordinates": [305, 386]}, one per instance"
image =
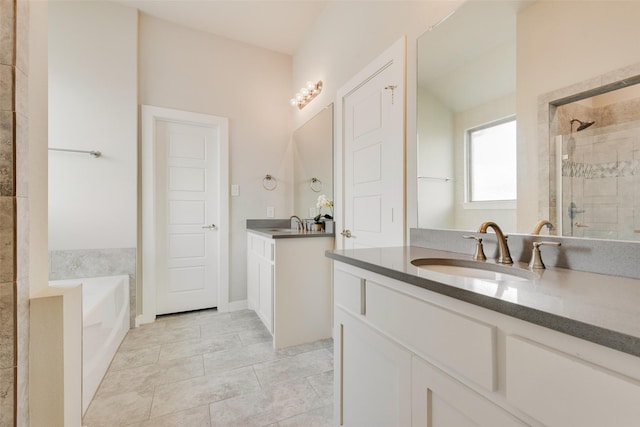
{"type": "Point", "coordinates": [466, 98]}
{"type": "Point", "coordinates": [560, 59]}
{"type": "Point", "coordinates": [313, 163]}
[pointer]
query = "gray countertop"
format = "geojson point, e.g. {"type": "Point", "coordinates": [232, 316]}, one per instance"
{"type": "Point", "coordinates": [599, 308]}
{"type": "Point", "coordinates": [286, 233]}
{"type": "Point", "coordinates": [281, 229]}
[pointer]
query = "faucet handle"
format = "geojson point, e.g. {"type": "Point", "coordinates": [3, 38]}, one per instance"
{"type": "Point", "coordinates": [536, 258]}
{"type": "Point", "coordinates": [479, 255]}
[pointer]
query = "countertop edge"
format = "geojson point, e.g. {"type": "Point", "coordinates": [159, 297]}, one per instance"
{"type": "Point", "coordinates": [598, 335]}
{"type": "Point", "coordinates": [289, 235]}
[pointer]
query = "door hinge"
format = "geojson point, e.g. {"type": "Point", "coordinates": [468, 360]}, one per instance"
{"type": "Point", "coordinates": [392, 87]}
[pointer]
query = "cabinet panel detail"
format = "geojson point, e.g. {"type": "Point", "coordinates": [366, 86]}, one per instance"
{"type": "Point", "coordinates": [466, 346]}
{"type": "Point", "coordinates": [561, 390]}
{"type": "Point", "coordinates": [441, 401]}
{"type": "Point", "coordinates": [350, 292]}
{"type": "Point", "coordinates": [375, 377]}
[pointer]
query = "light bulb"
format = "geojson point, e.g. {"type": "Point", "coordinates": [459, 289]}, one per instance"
{"type": "Point", "coordinates": [299, 97]}
{"type": "Point", "coordinates": [304, 91]}
{"type": "Point", "coordinates": [311, 85]}
{"type": "Point", "coordinates": [293, 102]}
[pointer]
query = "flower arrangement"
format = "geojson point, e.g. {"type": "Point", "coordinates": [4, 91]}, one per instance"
{"type": "Point", "coordinates": [323, 202]}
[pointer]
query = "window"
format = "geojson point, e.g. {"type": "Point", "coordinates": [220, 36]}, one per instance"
{"type": "Point", "coordinates": [491, 161]}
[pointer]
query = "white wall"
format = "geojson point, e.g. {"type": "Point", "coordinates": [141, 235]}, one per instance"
{"type": "Point", "coordinates": [435, 160]}
{"type": "Point", "coordinates": [195, 71]}
{"type": "Point", "coordinates": [560, 44]}
{"type": "Point", "coordinates": [349, 35]}
{"type": "Point", "coordinates": [92, 106]}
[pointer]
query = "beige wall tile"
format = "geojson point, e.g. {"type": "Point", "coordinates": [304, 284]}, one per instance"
{"type": "Point", "coordinates": [7, 17]}
{"type": "Point", "coordinates": [22, 239]}
{"type": "Point", "coordinates": [6, 154]}
{"type": "Point", "coordinates": [21, 92]}
{"type": "Point", "coordinates": [7, 325]}
{"type": "Point", "coordinates": [21, 156]}
{"type": "Point", "coordinates": [22, 340]}
{"type": "Point", "coordinates": [22, 35]}
{"type": "Point", "coordinates": [6, 88]}
{"type": "Point", "coordinates": [7, 396]}
{"type": "Point", "coordinates": [7, 239]}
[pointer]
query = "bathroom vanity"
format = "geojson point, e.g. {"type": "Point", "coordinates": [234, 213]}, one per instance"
{"type": "Point", "coordinates": [418, 346]}
{"type": "Point", "coordinates": [289, 282]}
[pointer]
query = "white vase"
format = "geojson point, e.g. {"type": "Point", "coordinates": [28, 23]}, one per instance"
{"type": "Point", "coordinates": [328, 226]}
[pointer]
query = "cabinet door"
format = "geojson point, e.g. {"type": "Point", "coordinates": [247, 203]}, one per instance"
{"type": "Point", "coordinates": [441, 401]}
{"type": "Point", "coordinates": [265, 304]}
{"type": "Point", "coordinates": [253, 272]}
{"type": "Point", "coordinates": [560, 390]}
{"type": "Point", "coordinates": [373, 374]}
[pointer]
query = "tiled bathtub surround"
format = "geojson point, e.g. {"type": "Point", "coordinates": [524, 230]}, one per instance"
{"type": "Point", "coordinates": [14, 281]}
{"type": "Point", "coordinates": [80, 263]}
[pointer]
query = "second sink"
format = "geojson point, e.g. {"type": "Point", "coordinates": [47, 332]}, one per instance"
{"type": "Point", "coordinates": [474, 269]}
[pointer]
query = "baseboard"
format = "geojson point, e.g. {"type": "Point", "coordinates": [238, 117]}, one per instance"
{"type": "Point", "coordinates": [141, 319]}
{"type": "Point", "coordinates": [234, 306]}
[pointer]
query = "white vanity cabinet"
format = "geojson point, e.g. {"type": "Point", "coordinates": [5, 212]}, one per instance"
{"type": "Point", "coordinates": [289, 286]}
{"type": "Point", "coordinates": [408, 356]}
{"type": "Point", "coordinates": [260, 268]}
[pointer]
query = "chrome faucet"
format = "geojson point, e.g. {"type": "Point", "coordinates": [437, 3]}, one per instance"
{"type": "Point", "coordinates": [540, 224]}
{"type": "Point", "coordinates": [504, 257]}
{"type": "Point", "coordinates": [300, 224]}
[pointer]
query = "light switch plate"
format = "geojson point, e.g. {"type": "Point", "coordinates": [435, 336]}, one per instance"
{"type": "Point", "coordinates": [235, 190]}
{"type": "Point", "coordinates": [271, 212]}
{"type": "Point", "coordinates": [312, 212]}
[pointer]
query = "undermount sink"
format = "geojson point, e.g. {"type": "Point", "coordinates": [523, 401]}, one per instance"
{"type": "Point", "coordinates": [474, 269]}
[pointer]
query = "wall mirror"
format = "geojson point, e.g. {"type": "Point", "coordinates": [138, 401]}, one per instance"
{"type": "Point", "coordinates": [313, 163]}
{"type": "Point", "coordinates": [466, 81]}
{"type": "Point", "coordinates": [467, 78]}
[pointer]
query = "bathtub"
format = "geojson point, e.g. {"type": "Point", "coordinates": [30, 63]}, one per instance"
{"type": "Point", "coordinates": [105, 322]}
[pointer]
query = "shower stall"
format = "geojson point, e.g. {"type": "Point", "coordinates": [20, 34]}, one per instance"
{"type": "Point", "coordinates": [598, 173]}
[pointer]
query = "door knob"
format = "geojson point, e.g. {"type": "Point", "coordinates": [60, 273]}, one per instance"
{"type": "Point", "coordinates": [346, 233]}
{"type": "Point", "coordinates": [210, 227]}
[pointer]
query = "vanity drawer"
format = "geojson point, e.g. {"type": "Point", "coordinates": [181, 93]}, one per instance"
{"type": "Point", "coordinates": [561, 390]}
{"type": "Point", "coordinates": [348, 291]}
{"type": "Point", "coordinates": [464, 345]}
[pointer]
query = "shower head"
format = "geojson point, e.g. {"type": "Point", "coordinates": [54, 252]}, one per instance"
{"type": "Point", "coordinates": [582, 125]}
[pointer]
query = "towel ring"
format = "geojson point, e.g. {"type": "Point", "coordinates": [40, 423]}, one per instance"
{"type": "Point", "coordinates": [269, 183]}
{"type": "Point", "coordinates": [316, 185]}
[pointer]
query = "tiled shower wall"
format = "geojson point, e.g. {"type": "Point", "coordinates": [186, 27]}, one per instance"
{"type": "Point", "coordinates": [14, 284]}
{"type": "Point", "coordinates": [80, 263]}
{"type": "Point", "coordinates": [602, 172]}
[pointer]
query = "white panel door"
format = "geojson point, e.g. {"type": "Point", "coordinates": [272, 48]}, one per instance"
{"type": "Point", "coordinates": [373, 155]}
{"type": "Point", "coordinates": [187, 194]}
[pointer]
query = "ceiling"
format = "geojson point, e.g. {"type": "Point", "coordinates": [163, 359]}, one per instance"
{"type": "Point", "coordinates": [276, 25]}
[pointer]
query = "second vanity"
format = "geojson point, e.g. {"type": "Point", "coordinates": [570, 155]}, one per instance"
{"type": "Point", "coordinates": [418, 346]}
{"type": "Point", "coordinates": [289, 281]}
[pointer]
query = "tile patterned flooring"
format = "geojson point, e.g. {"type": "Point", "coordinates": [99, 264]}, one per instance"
{"type": "Point", "coordinates": [207, 368]}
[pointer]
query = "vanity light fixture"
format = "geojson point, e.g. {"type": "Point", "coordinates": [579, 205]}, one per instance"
{"type": "Point", "coordinates": [306, 94]}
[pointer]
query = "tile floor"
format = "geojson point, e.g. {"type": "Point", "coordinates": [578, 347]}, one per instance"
{"type": "Point", "coordinates": [208, 368]}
